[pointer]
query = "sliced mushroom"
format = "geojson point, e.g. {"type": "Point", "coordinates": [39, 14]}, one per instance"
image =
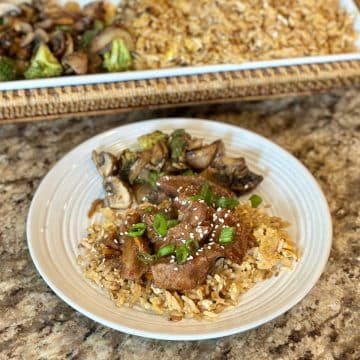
{"type": "Point", "coordinates": [160, 153]}
{"type": "Point", "coordinates": [42, 35]}
{"type": "Point", "coordinates": [44, 24]}
{"type": "Point", "coordinates": [233, 173]}
{"type": "Point", "coordinates": [93, 9]}
{"type": "Point", "coordinates": [139, 165]}
{"type": "Point", "coordinates": [145, 192]}
{"type": "Point", "coordinates": [21, 26]}
{"type": "Point", "coordinates": [75, 63]}
{"type": "Point", "coordinates": [105, 163]}
{"type": "Point", "coordinates": [117, 194]}
{"type": "Point", "coordinates": [27, 39]}
{"type": "Point", "coordinates": [101, 41]}
{"type": "Point", "coordinates": [69, 44]}
{"type": "Point", "coordinates": [9, 9]}
{"type": "Point", "coordinates": [202, 157]}
{"type": "Point", "coordinates": [57, 41]}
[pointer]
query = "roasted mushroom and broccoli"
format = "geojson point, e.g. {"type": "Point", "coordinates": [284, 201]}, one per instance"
{"type": "Point", "coordinates": [41, 39]}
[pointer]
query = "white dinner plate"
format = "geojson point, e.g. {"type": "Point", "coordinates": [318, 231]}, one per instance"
{"type": "Point", "coordinates": [57, 222]}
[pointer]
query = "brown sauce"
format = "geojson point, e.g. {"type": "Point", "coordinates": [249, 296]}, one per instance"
{"type": "Point", "coordinates": [95, 206]}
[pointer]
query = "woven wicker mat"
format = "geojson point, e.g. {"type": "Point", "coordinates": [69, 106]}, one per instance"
{"type": "Point", "coordinates": [50, 103]}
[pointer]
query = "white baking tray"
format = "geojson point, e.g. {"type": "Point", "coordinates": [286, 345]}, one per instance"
{"type": "Point", "coordinates": [348, 5]}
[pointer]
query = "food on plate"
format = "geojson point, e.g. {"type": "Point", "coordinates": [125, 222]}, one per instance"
{"type": "Point", "coordinates": [142, 34]}
{"type": "Point", "coordinates": [173, 237]}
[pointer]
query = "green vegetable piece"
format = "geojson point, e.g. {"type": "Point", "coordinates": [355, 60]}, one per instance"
{"type": "Point", "coordinates": [87, 38]}
{"type": "Point", "coordinates": [160, 224]}
{"type": "Point", "coordinates": [226, 203]}
{"type": "Point", "coordinates": [192, 245]}
{"type": "Point", "coordinates": [205, 194]}
{"type": "Point", "coordinates": [127, 159]}
{"type": "Point", "coordinates": [178, 142]}
{"type": "Point", "coordinates": [146, 258]}
{"type": "Point", "coordinates": [137, 230]}
{"type": "Point", "coordinates": [166, 250]}
{"type": "Point", "coordinates": [7, 69]}
{"type": "Point", "coordinates": [63, 28]}
{"type": "Point", "coordinates": [43, 65]}
{"type": "Point", "coordinates": [1, 21]}
{"type": "Point", "coordinates": [181, 254]}
{"type": "Point", "coordinates": [148, 209]}
{"type": "Point", "coordinates": [98, 25]}
{"type": "Point", "coordinates": [255, 200]}
{"type": "Point", "coordinates": [171, 223]}
{"type": "Point", "coordinates": [226, 235]}
{"type": "Point", "coordinates": [118, 58]}
{"type": "Point", "coordinates": [153, 177]}
{"type": "Point", "coordinates": [148, 141]}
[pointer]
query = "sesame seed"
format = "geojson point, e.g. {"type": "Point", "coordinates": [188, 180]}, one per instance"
{"type": "Point", "coordinates": [222, 247]}
{"type": "Point", "coordinates": [125, 232]}
{"type": "Point", "coordinates": [226, 215]}
{"type": "Point", "coordinates": [209, 247]}
{"type": "Point", "coordinates": [183, 241]}
{"type": "Point", "coordinates": [115, 241]}
{"type": "Point", "coordinates": [176, 268]}
{"type": "Point", "coordinates": [196, 217]}
{"type": "Point", "coordinates": [172, 261]}
{"type": "Point", "coordinates": [221, 221]}
{"type": "Point", "coordinates": [237, 225]}
{"type": "Point", "coordinates": [190, 257]}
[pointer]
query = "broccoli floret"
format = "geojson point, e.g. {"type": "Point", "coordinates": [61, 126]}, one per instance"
{"type": "Point", "coordinates": [118, 58]}
{"type": "Point", "coordinates": [148, 141]}
{"type": "Point", "coordinates": [7, 69]}
{"type": "Point", "coordinates": [178, 142]}
{"type": "Point", "coordinates": [87, 38]}
{"type": "Point", "coordinates": [44, 64]}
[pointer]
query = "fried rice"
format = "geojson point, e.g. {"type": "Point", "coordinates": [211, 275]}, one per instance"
{"type": "Point", "coordinates": [275, 251]}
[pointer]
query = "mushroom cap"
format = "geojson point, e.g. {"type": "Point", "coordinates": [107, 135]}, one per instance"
{"type": "Point", "coordinates": [102, 40]}
{"type": "Point", "coordinates": [76, 62]}
{"type": "Point", "coordinates": [117, 194]}
{"type": "Point", "coordinates": [105, 162]}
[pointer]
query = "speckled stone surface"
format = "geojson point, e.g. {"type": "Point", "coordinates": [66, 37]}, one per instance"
{"type": "Point", "coordinates": [322, 131]}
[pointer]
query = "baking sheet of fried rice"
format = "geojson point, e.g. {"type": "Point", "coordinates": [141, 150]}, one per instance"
{"type": "Point", "coordinates": [275, 251]}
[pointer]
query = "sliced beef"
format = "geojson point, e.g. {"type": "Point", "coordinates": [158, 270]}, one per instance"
{"type": "Point", "coordinates": [130, 267]}
{"type": "Point", "coordinates": [243, 238]}
{"type": "Point", "coordinates": [186, 276]}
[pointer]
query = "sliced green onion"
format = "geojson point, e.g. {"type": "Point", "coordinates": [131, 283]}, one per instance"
{"type": "Point", "coordinates": [226, 203]}
{"type": "Point", "coordinates": [146, 258]}
{"type": "Point", "coordinates": [192, 245]}
{"type": "Point", "coordinates": [166, 250]}
{"type": "Point", "coordinates": [226, 235]}
{"type": "Point", "coordinates": [255, 200]}
{"type": "Point", "coordinates": [181, 254]}
{"type": "Point", "coordinates": [148, 209]}
{"type": "Point", "coordinates": [171, 223]}
{"type": "Point", "coordinates": [160, 224]}
{"type": "Point", "coordinates": [137, 230]}
{"type": "Point", "coordinates": [153, 177]}
{"type": "Point", "coordinates": [205, 194]}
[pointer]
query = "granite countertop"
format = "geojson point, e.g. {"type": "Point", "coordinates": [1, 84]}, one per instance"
{"type": "Point", "coordinates": [322, 131]}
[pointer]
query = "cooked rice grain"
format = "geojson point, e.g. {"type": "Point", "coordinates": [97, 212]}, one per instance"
{"type": "Point", "coordinates": [171, 33]}
{"type": "Point", "coordinates": [275, 251]}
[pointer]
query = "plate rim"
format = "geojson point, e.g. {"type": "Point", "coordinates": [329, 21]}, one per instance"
{"type": "Point", "coordinates": [176, 337]}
